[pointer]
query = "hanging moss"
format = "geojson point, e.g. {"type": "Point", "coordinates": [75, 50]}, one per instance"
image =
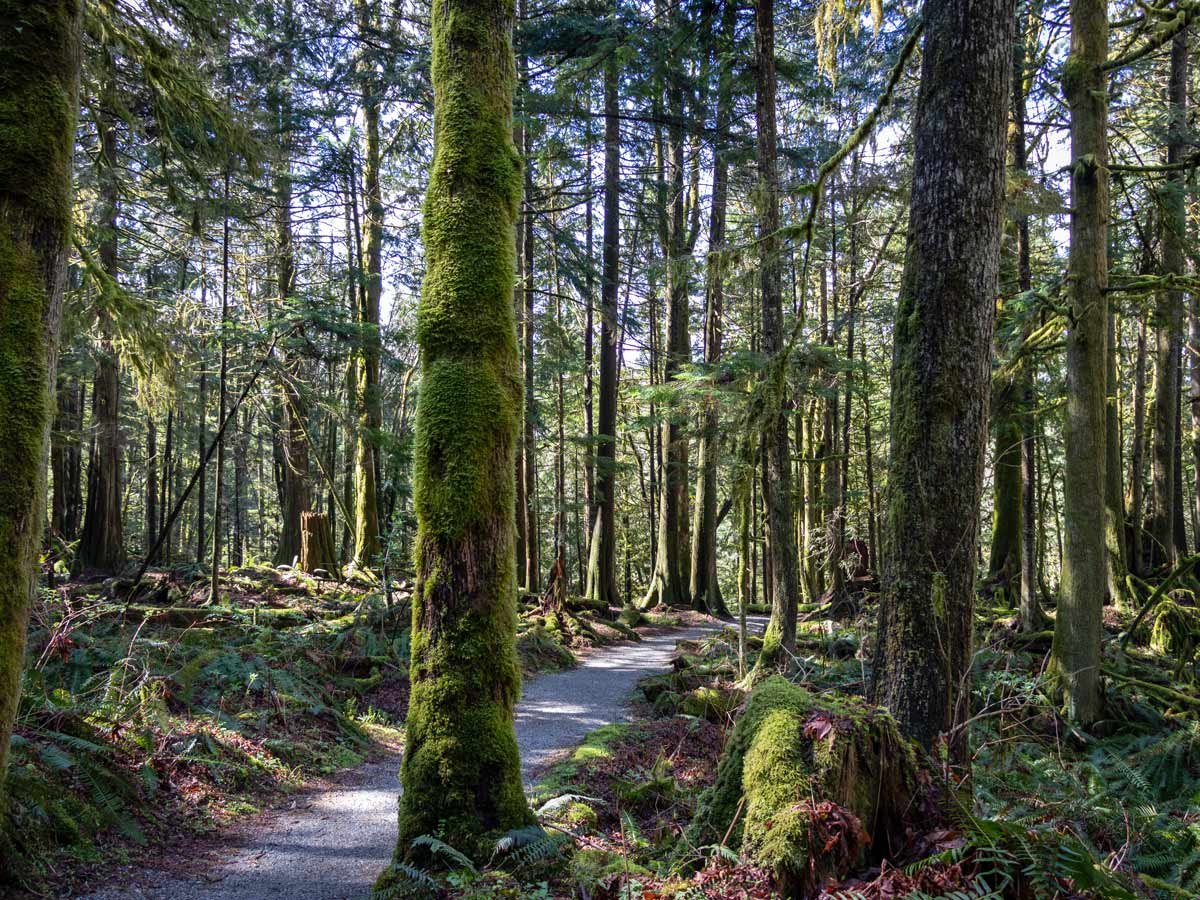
{"type": "Point", "coordinates": [802, 771]}
{"type": "Point", "coordinates": [39, 61]}
{"type": "Point", "coordinates": [461, 772]}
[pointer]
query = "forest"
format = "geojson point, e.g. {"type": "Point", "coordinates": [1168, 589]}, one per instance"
{"type": "Point", "coordinates": [599, 449]}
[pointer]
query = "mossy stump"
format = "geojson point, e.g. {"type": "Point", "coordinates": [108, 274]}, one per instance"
{"type": "Point", "coordinates": [809, 785]}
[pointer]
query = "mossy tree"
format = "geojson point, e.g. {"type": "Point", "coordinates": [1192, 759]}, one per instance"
{"type": "Point", "coordinates": [941, 368]}
{"type": "Point", "coordinates": [1076, 651]}
{"type": "Point", "coordinates": [296, 492]}
{"type": "Point", "coordinates": [39, 98]}
{"type": "Point", "coordinates": [370, 414]}
{"type": "Point", "coordinates": [784, 588]}
{"type": "Point", "coordinates": [461, 772]}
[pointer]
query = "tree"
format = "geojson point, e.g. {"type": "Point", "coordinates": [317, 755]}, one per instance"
{"type": "Point", "coordinates": [677, 237]}
{"type": "Point", "coordinates": [39, 97]}
{"type": "Point", "coordinates": [705, 588]}
{"type": "Point", "coordinates": [102, 541]}
{"type": "Point", "coordinates": [370, 419]}
{"type": "Point", "coordinates": [1168, 323]}
{"type": "Point", "coordinates": [461, 773]}
{"type": "Point", "coordinates": [602, 572]}
{"type": "Point", "coordinates": [941, 369]}
{"type": "Point", "coordinates": [1075, 657]}
{"type": "Point", "coordinates": [296, 491]}
{"type": "Point", "coordinates": [776, 447]}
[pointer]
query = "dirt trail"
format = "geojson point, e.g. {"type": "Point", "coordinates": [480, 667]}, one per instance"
{"type": "Point", "coordinates": [333, 843]}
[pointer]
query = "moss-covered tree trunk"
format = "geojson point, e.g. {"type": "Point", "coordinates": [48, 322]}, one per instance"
{"type": "Point", "coordinates": [461, 772]}
{"type": "Point", "coordinates": [1116, 558]}
{"type": "Point", "coordinates": [39, 97]}
{"type": "Point", "coordinates": [807, 782]}
{"type": "Point", "coordinates": [1076, 651]}
{"type": "Point", "coordinates": [941, 368]}
{"type": "Point", "coordinates": [777, 483]}
{"type": "Point", "coordinates": [370, 414]}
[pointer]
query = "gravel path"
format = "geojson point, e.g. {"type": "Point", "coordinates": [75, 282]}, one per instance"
{"type": "Point", "coordinates": [333, 843]}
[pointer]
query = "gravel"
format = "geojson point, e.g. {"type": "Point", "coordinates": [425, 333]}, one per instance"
{"type": "Point", "coordinates": [333, 843]}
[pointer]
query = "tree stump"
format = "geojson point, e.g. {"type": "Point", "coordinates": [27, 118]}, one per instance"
{"type": "Point", "coordinates": [316, 544]}
{"type": "Point", "coordinates": [809, 785]}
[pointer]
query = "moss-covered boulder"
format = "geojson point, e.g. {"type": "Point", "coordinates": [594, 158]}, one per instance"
{"type": "Point", "coordinates": [807, 783]}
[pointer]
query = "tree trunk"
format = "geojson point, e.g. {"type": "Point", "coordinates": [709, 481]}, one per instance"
{"type": "Point", "coordinates": [214, 589]}
{"type": "Point", "coordinates": [1075, 657]}
{"type": "Point", "coordinates": [38, 103]}
{"type": "Point", "coordinates": [1168, 321]}
{"type": "Point", "coordinates": [370, 417]}
{"type": "Point", "coordinates": [776, 448]}
{"type": "Point", "coordinates": [704, 589]}
{"type": "Point", "coordinates": [1137, 457]}
{"type": "Point", "coordinates": [604, 497]}
{"type": "Point", "coordinates": [941, 370]}
{"type": "Point", "coordinates": [296, 496]}
{"type": "Point", "coordinates": [668, 586]}
{"type": "Point", "coordinates": [66, 460]}
{"type": "Point", "coordinates": [317, 552]}
{"type": "Point", "coordinates": [461, 771]}
{"type": "Point", "coordinates": [102, 542]}
{"type": "Point", "coordinates": [150, 517]}
{"type": "Point", "coordinates": [1117, 567]}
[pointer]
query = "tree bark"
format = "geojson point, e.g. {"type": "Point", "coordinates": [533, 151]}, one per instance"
{"type": "Point", "coordinates": [603, 580]}
{"type": "Point", "coordinates": [461, 771]}
{"type": "Point", "coordinates": [370, 416]}
{"type": "Point", "coordinates": [1168, 321]}
{"type": "Point", "coordinates": [38, 103]}
{"type": "Point", "coordinates": [66, 461]}
{"type": "Point", "coordinates": [776, 447]}
{"type": "Point", "coordinates": [102, 541]}
{"type": "Point", "coordinates": [704, 589]}
{"type": "Point", "coordinates": [1075, 657]}
{"type": "Point", "coordinates": [941, 370]}
{"type": "Point", "coordinates": [297, 493]}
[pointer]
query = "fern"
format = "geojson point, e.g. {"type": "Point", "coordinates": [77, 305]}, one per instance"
{"type": "Point", "coordinates": [437, 847]}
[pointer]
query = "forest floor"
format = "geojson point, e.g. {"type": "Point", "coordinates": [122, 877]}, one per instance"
{"type": "Point", "coordinates": [155, 728]}
{"type": "Point", "coordinates": [332, 843]}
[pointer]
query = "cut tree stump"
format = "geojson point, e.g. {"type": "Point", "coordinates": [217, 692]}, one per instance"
{"type": "Point", "coordinates": [809, 785]}
{"type": "Point", "coordinates": [316, 544]}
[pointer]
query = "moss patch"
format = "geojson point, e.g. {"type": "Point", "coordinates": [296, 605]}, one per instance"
{"type": "Point", "coordinates": [803, 771]}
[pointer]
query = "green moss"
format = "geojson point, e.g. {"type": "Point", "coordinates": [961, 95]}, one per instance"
{"type": "Point", "coordinates": [461, 772]}
{"type": "Point", "coordinates": [710, 703]}
{"type": "Point", "coordinates": [38, 71]}
{"type": "Point", "coordinates": [592, 867]}
{"type": "Point", "coordinates": [598, 745]}
{"type": "Point", "coordinates": [579, 815]}
{"type": "Point", "coordinates": [791, 751]}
